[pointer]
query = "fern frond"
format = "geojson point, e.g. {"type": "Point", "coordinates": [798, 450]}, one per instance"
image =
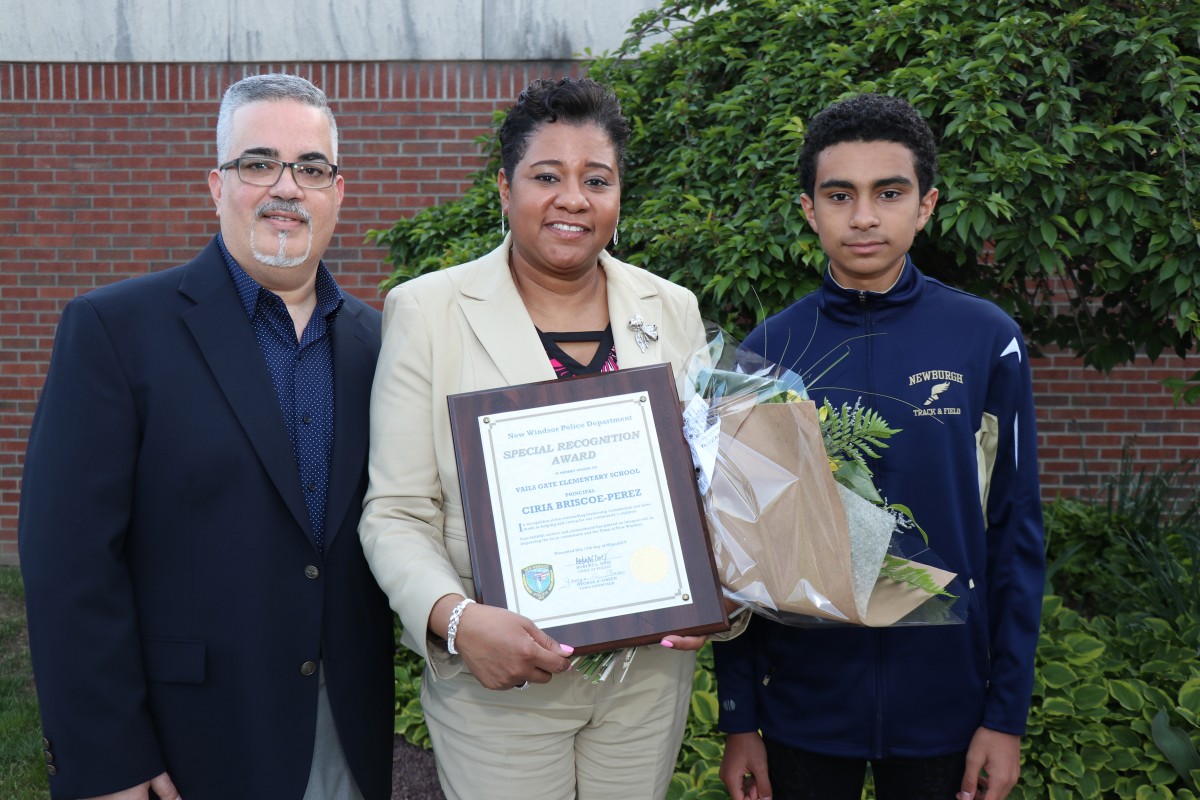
{"type": "Point", "coordinates": [854, 433]}
{"type": "Point", "coordinates": [902, 570]}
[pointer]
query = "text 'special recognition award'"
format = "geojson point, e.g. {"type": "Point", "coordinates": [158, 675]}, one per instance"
{"type": "Point", "coordinates": [581, 508]}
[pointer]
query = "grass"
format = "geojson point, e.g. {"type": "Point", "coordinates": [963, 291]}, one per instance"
{"type": "Point", "coordinates": [22, 769]}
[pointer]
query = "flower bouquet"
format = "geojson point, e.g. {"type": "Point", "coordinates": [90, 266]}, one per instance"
{"type": "Point", "coordinates": [799, 532]}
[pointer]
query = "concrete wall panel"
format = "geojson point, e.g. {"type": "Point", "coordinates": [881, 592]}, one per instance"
{"type": "Point", "coordinates": [550, 29]}
{"type": "Point", "coordinates": [361, 30]}
{"type": "Point", "coordinates": [173, 31]}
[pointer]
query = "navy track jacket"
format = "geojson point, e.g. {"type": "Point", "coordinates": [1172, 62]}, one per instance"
{"type": "Point", "coordinates": [951, 371]}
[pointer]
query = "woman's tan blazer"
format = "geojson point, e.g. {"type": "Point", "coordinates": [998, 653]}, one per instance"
{"type": "Point", "coordinates": [459, 330]}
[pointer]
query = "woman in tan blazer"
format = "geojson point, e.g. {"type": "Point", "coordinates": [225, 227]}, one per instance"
{"type": "Point", "coordinates": [548, 301]}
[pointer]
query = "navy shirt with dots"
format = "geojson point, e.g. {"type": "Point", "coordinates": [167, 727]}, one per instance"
{"type": "Point", "coordinates": [302, 373]}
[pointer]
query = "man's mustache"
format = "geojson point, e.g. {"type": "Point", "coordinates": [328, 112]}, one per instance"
{"type": "Point", "coordinates": [285, 207]}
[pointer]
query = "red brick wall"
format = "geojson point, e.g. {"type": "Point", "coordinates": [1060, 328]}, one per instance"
{"type": "Point", "coordinates": [110, 180]}
{"type": "Point", "coordinates": [1087, 418]}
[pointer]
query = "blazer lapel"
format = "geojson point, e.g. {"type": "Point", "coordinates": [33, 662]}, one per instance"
{"type": "Point", "coordinates": [630, 296]}
{"type": "Point", "coordinates": [495, 312]}
{"type": "Point", "coordinates": [219, 325]}
{"type": "Point", "coordinates": [355, 350]}
{"type": "Point", "coordinates": [493, 308]}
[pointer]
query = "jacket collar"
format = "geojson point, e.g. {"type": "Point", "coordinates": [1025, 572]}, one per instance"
{"type": "Point", "coordinates": [849, 305]}
{"type": "Point", "coordinates": [632, 294]}
{"type": "Point", "coordinates": [226, 341]}
{"type": "Point", "coordinates": [495, 312]}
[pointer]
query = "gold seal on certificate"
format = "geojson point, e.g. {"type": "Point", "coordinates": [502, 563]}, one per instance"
{"type": "Point", "coordinates": [650, 565]}
{"type": "Point", "coordinates": [582, 510]}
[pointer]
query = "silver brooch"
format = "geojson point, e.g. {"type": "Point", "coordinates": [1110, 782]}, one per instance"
{"type": "Point", "coordinates": [643, 332]}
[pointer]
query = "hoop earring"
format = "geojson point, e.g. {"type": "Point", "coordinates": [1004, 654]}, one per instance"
{"type": "Point", "coordinates": [615, 234]}
{"type": "Point", "coordinates": [503, 233]}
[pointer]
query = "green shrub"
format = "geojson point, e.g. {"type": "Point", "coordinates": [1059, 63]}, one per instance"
{"type": "Point", "coordinates": [1085, 561]}
{"type": "Point", "coordinates": [1116, 709]}
{"type": "Point", "coordinates": [699, 759]}
{"type": "Point", "coordinates": [1156, 517]}
{"type": "Point", "coordinates": [1098, 687]}
{"type": "Point", "coordinates": [1069, 133]}
{"type": "Point", "coordinates": [1139, 549]}
{"type": "Point", "coordinates": [410, 719]}
{"type": "Point", "coordinates": [1184, 390]}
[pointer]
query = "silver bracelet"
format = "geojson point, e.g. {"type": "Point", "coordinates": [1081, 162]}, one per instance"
{"type": "Point", "coordinates": [452, 628]}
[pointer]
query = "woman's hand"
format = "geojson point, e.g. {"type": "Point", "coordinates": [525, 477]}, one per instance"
{"type": "Point", "coordinates": [503, 650]}
{"type": "Point", "coordinates": [676, 642]}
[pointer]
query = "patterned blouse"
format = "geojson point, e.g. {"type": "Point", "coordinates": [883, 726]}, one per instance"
{"type": "Point", "coordinates": [605, 359]}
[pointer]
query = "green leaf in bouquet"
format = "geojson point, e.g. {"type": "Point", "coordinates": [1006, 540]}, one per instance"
{"type": "Point", "coordinates": [857, 478]}
{"type": "Point", "coordinates": [901, 570]}
{"type": "Point", "coordinates": [592, 667]}
{"type": "Point", "coordinates": [908, 515]}
{"type": "Point", "coordinates": [596, 667]}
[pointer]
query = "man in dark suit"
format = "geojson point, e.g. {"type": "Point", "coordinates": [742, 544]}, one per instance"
{"type": "Point", "coordinates": [202, 621]}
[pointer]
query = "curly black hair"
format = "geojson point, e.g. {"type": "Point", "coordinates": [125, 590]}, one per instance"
{"type": "Point", "coordinates": [576, 101]}
{"type": "Point", "coordinates": [870, 118]}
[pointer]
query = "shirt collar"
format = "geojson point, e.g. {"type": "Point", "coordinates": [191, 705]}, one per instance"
{"type": "Point", "coordinates": [329, 294]}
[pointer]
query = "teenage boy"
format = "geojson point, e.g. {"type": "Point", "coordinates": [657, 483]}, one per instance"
{"type": "Point", "coordinates": [938, 711]}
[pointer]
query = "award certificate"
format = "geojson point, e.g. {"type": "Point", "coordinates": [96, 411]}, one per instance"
{"type": "Point", "coordinates": [582, 511]}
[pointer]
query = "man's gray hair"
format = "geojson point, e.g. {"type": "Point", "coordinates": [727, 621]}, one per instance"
{"type": "Point", "coordinates": [274, 86]}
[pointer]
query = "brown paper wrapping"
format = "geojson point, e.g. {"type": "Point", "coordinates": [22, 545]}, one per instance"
{"type": "Point", "coordinates": [780, 534]}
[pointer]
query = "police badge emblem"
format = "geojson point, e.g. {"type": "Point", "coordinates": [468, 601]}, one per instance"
{"type": "Point", "coordinates": [538, 580]}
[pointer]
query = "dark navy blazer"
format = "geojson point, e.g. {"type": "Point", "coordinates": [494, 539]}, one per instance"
{"type": "Point", "coordinates": [177, 601]}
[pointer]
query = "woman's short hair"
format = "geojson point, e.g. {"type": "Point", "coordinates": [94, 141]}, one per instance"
{"type": "Point", "coordinates": [575, 101]}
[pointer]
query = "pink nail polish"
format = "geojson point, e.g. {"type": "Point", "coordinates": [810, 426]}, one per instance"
{"type": "Point", "coordinates": [566, 648]}
{"type": "Point", "coordinates": [665, 643]}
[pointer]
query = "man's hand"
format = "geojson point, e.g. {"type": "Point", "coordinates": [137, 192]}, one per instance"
{"type": "Point", "coordinates": [504, 650]}
{"type": "Point", "coordinates": [744, 767]}
{"type": "Point", "coordinates": [161, 784]}
{"type": "Point", "coordinates": [993, 765]}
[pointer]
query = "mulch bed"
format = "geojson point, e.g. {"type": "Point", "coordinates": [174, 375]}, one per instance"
{"type": "Point", "coordinates": [414, 776]}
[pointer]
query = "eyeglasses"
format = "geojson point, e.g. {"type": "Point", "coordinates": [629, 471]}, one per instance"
{"type": "Point", "coordinates": [258, 171]}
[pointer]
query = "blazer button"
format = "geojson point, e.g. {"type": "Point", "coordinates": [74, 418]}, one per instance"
{"type": "Point", "coordinates": [51, 770]}
{"type": "Point", "coordinates": [308, 668]}
{"type": "Point", "coordinates": [45, 743]}
{"type": "Point", "coordinates": [312, 572]}
{"type": "Point", "coordinates": [49, 756]}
